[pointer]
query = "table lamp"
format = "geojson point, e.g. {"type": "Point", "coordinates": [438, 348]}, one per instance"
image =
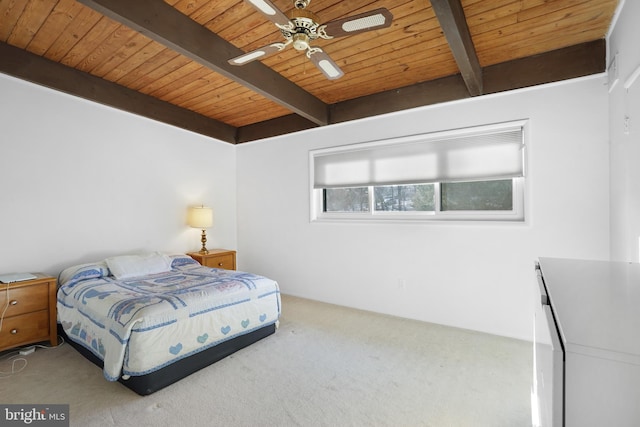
{"type": "Point", "coordinates": [201, 217]}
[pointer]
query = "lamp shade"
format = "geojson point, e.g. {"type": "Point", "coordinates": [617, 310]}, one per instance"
{"type": "Point", "coordinates": [200, 217]}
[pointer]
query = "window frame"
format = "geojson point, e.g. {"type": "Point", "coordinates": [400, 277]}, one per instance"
{"type": "Point", "coordinates": [516, 215]}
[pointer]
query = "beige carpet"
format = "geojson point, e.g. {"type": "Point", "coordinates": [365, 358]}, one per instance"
{"type": "Point", "coordinates": [325, 366]}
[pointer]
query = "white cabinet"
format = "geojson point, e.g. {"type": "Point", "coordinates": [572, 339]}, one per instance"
{"type": "Point", "coordinates": [595, 314]}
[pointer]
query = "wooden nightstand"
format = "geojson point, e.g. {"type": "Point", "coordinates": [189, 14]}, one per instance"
{"type": "Point", "coordinates": [31, 314]}
{"type": "Point", "coordinates": [216, 258]}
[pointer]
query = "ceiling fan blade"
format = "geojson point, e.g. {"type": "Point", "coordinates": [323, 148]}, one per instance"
{"type": "Point", "coordinates": [367, 21]}
{"type": "Point", "coordinates": [272, 13]}
{"type": "Point", "coordinates": [260, 53]}
{"type": "Point", "coordinates": [324, 63]}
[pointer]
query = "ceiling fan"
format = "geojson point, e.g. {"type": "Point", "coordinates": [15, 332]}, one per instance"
{"type": "Point", "coordinates": [301, 27]}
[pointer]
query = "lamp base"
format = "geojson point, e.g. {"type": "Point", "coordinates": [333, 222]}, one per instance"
{"type": "Point", "coordinates": [203, 239]}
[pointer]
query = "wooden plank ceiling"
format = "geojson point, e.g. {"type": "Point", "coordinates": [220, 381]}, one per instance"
{"type": "Point", "coordinates": [167, 60]}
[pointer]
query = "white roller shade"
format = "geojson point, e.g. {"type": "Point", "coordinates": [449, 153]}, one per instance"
{"type": "Point", "coordinates": [495, 154]}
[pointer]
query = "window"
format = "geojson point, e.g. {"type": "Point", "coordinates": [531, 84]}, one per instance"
{"type": "Point", "coordinates": [477, 196]}
{"type": "Point", "coordinates": [346, 200]}
{"type": "Point", "coordinates": [471, 174]}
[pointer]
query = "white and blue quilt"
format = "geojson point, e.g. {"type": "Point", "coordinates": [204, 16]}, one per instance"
{"type": "Point", "coordinates": [139, 325]}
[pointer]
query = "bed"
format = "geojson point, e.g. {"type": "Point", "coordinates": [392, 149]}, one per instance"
{"type": "Point", "coordinates": [150, 320]}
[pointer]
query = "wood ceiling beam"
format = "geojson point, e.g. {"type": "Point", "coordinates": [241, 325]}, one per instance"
{"type": "Point", "coordinates": [450, 14]}
{"type": "Point", "coordinates": [562, 64]}
{"type": "Point", "coordinates": [27, 66]}
{"type": "Point", "coordinates": [166, 25]}
{"type": "Point", "coordinates": [273, 127]}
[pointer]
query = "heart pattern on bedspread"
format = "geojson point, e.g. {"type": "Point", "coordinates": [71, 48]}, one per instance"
{"type": "Point", "coordinates": [225, 329]}
{"type": "Point", "coordinates": [203, 338]}
{"type": "Point", "coordinates": [175, 349]}
{"type": "Point", "coordinates": [263, 317]}
{"type": "Point", "coordinates": [245, 323]}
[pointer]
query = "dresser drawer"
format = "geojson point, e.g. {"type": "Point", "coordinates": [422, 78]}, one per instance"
{"type": "Point", "coordinates": [25, 299]}
{"type": "Point", "coordinates": [24, 329]}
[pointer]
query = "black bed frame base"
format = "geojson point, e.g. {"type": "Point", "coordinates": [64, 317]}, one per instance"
{"type": "Point", "coordinates": [150, 383]}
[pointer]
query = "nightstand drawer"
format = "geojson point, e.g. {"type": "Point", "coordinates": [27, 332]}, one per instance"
{"type": "Point", "coordinates": [25, 299]}
{"type": "Point", "coordinates": [220, 261]}
{"type": "Point", "coordinates": [25, 329]}
{"type": "Point", "coordinates": [216, 258]}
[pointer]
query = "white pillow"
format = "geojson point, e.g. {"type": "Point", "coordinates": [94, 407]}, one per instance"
{"type": "Point", "coordinates": [127, 266]}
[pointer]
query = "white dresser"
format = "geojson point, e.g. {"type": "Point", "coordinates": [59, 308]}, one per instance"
{"type": "Point", "coordinates": [587, 362]}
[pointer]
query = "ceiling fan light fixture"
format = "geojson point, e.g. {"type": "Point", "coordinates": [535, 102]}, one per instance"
{"type": "Point", "coordinates": [300, 41]}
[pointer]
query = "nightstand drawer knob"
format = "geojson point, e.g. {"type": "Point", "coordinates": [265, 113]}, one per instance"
{"type": "Point", "coordinates": [219, 264]}
{"type": "Point", "coordinates": [13, 302]}
{"type": "Point", "coordinates": [14, 331]}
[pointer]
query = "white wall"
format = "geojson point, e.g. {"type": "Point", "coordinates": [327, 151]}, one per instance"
{"type": "Point", "coordinates": [625, 147]}
{"type": "Point", "coordinates": [80, 181]}
{"type": "Point", "coordinates": [473, 275]}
